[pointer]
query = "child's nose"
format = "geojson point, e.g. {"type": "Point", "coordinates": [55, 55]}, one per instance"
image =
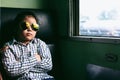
{"type": "Point", "coordinates": [29, 29]}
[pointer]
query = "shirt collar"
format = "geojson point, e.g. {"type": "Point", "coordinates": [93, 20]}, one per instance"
{"type": "Point", "coordinates": [14, 41]}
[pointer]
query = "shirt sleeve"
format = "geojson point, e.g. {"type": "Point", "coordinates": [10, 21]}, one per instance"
{"type": "Point", "coordinates": [16, 67]}
{"type": "Point", "coordinates": [46, 62]}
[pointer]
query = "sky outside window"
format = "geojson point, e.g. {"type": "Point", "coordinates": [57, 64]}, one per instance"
{"type": "Point", "coordinates": [99, 17]}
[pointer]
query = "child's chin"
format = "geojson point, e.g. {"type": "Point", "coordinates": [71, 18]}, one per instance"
{"type": "Point", "coordinates": [29, 39]}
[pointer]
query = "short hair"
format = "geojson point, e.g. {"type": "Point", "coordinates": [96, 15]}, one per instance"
{"type": "Point", "coordinates": [21, 16]}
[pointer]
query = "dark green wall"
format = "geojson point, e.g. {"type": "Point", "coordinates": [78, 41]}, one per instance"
{"type": "Point", "coordinates": [22, 3]}
{"type": "Point", "coordinates": [74, 54]}
{"type": "Point", "coordinates": [77, 54]}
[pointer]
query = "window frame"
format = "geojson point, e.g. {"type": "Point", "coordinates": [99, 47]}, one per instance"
{"type": "Point", "coordinates": [74, 26]}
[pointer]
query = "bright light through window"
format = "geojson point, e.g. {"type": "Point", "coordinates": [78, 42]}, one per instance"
{"type": "Point", "coordinates": [99, 18]}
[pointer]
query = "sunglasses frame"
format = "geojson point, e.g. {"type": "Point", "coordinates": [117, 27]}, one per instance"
{"type": "Point", "coordinates": [26, 25]}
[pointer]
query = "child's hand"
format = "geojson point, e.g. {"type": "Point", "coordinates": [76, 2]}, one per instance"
{"type": "Point", "coordinates": [3, 49]}
{"type": "Point", "coordinates": [1, 77]}
{"type": "Point", "coordinates": [38, 57]}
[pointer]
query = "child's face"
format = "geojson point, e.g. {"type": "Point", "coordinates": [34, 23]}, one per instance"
{"type": "Point", "coordinates": [28, 33]}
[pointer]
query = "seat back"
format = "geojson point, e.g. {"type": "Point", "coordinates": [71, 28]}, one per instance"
{"type": "Point", "coordinates": [46, 32]}
{"type": "Point", "coordinates": [96, 72]}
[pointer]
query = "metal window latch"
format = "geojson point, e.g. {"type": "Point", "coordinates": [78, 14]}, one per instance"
{"type": "Point", "coordinates": [111, 57]}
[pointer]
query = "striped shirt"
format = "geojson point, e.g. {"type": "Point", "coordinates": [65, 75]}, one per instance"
{"type": "Point", "coordinates": [19, 60]}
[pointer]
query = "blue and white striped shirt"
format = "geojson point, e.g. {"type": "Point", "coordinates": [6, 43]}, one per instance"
{"type": "Point", "coordinates": [19, 60]}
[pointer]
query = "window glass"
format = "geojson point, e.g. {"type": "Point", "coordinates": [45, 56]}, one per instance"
{"type": "Point", "coordinates": [99, 18]}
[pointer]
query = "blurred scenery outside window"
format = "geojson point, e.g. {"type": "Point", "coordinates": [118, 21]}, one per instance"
{"type": "Point", "coordinates": [99, 18]}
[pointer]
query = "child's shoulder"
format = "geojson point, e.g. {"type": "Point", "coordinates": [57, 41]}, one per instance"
{"type": "Point", "coordinates": [38, 40]}
{"type": "Point", "coordinates": [9, 43]}
{"type": "Point", "coordinates": [6, 46]}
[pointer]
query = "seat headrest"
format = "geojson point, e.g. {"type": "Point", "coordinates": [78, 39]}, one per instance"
{"type": "Point", "coordinates": [7, 16]}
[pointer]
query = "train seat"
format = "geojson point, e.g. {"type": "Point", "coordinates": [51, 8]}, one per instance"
{"type": "Point", "coordinates": [45, 33]}
{"type": "Point", "coordinates": [96, 72]}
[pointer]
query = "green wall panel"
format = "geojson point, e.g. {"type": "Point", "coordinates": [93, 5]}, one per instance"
{"type": "Point", "coordinates": [22, 3]}
{"type": "Point", "coordinates": [76, 54]}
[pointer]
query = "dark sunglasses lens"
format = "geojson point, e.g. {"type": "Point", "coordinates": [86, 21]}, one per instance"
{"type": "Point", "coordinates": [34, 28]}
{"type": "Point", "coordinates": [23, 26]}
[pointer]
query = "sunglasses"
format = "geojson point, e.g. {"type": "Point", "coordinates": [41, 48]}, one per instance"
{"type": "Point", "coordinates": [26, 25]}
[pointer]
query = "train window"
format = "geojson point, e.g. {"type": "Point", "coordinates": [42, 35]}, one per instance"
{"type": "Point", "coordinates": [95, 20]}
